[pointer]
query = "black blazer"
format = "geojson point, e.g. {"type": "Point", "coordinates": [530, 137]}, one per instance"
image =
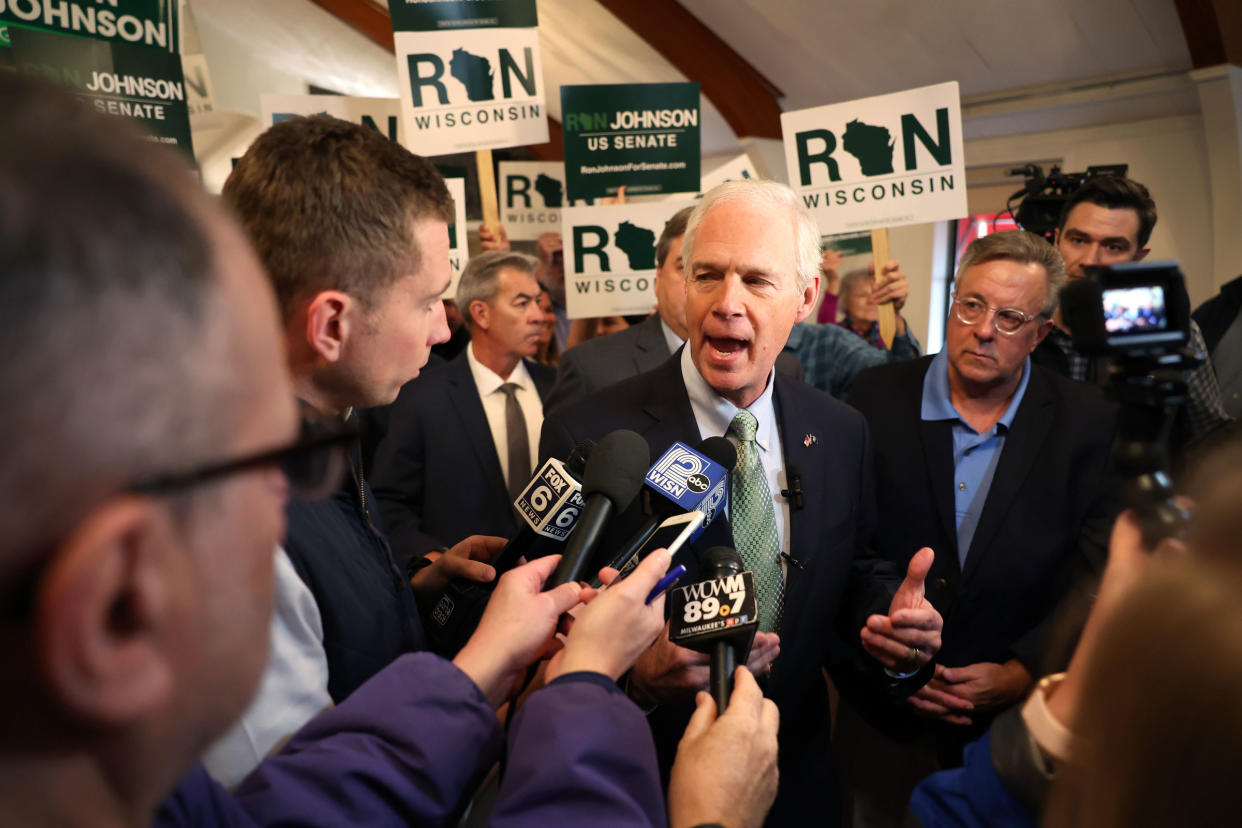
{"type": "Point", "coordinates": [1044, 525]}
{"type": "Point", "coordinates": [605, 360]}
{"type": "Point", "coordinates": [437, 474]}
{"type": "Point", "coordinates": [830, 589]}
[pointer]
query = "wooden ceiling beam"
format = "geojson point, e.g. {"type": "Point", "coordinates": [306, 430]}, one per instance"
{"type": "Point", "coordinates": [748, 101]}
{"type": "Point", "coordinates": [367, 18]}
{"type": "Point", "coordinates": [1213, 31]}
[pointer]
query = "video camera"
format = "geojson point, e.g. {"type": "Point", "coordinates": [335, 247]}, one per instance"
{"type": "Point", "coordinates": [1043, 197]}
{"type": "Point", "coordinates": [1138, 315]}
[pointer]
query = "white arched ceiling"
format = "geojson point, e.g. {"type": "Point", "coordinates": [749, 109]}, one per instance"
{"type": "Point", "coordinates": [819, 52]}
{"type": "Point", "coordinates": [815, 52]}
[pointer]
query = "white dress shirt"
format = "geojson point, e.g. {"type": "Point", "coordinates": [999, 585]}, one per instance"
{"type": "Point", "coordinates": [670, 337]}
{"type": "Point", "coordinates": [294, 687]}
{"type": "Point", "coordinates": [714, 414]}
{"type": "Point", "coordinates": [488, 383]}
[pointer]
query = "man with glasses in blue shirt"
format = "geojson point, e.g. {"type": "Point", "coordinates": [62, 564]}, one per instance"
{"type": "Point", "coordinates": [1002, 465]}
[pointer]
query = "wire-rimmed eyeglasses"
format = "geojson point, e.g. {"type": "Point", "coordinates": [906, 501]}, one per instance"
{"type": "Point", "coordinates": [972, 311]}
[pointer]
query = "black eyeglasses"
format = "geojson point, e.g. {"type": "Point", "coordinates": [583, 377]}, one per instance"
{"type": "Point", "coordinates": [313, 466]}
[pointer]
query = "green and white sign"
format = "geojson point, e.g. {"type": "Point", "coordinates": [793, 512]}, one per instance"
{"type": "Point", "coordinates": [732, 170]}
{"type": "Point", "coordinates": [150, 23]}
{"type": "Point", "coordinates": [458, 251]}
{"type": "Point", "coordinates": [878, 162]}
{"type": "Point", "coordinates": [531, 196]}
{"type": "Point", "coordinates": [644, 136]}
{"type": "Point", "coordinates": [848, 244]}
{"type": "Point", "coordinates": [442, 15]}
{"type": "Point", "coordinates": [135, 82]}
{"type": "Point", "coordinates": [200, 94]}
{"type": "Point", "coordinates": [610, 256]}
{"type": "Point", "coordinates": [469, 74]}
{"type": "Point", "coordinates": [380, 114]}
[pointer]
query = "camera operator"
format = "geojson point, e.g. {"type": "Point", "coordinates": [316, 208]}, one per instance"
{"type": "Point", "coordinates": [1106, 221]}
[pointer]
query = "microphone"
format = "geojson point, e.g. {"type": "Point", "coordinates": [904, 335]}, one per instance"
{"type": "Point", "coordinates": [550, 505]}
{"type": "Point", "coordinates": [718, 616]}
{"type": "Point", "coordinates": [613, 476]}
{"type": "Point", "coordinates": [681, 480]}
{"type": "Point", "coordinates": [794, 493]}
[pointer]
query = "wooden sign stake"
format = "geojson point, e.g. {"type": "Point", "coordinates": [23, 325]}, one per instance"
{"type": "Point", "coordinates": [888, 314]}
{"type": "Point", "coordinates": [487, 190]}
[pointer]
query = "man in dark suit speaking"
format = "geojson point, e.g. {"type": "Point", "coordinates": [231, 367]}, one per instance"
{"type": "Point", "coordinates": [752, 271]}
{"type": "Point", "coordinates": [461, 438]}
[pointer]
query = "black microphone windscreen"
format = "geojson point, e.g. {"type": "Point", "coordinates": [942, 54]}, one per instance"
{"type": "Point", "coordinates": [721, 559]}
{"type": "Point", "coordinates": [719, 450]}
{"type": "Point", "coordinates": [617, 467]}
{"type": "Point", "coordinates": [575, 464]}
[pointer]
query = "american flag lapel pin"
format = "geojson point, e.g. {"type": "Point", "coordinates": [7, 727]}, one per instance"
{"type": "Point", "coordinates": [809, 440]}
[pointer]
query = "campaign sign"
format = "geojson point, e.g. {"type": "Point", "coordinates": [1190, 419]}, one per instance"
{"type": "Point", "coordinates": [848, 244]}
{"type": "Point", "coordinates": [380, 114]}
{"type": "Point", "coordinates": [152, 23]}
{"type": "Point", "coordinates": [733, 170]}
{"type": "Point", "coordinates": [469, 74]}
{"type": "Point", "coordinates": [610, 256]}
{"type": "Point", "coordinates": [878, 162]}
{"type": "Point", "coordinates": [440, 15]}
{"type": "Point", "coordinates": [531, 196]}
{"type": "Point", "coordinates": [458, 249]}
{"type": "Point", "coordinates": [644, 136]}
{"type": "Point", "coordinates": [142, 84]}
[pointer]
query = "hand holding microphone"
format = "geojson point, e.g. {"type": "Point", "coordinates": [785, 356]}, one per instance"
{"type": "Point", "coordinates": [550, 505]}
{"type": "Point", "coordinates": [719, 615]}
{"type": "Point", "coordinates": [725, 771]}
{"type": "Point", "coordinates": [617, 625]}
{"type": "Point", "coordinates": [681, 661]}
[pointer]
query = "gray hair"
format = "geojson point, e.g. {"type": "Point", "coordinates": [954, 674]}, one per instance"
{"type": "Point", "coordinates": [761, 192]}
{"type": "Point", "coordinates": [850, 281]}
{"type": "Point", "coordinates": [674, 229]}
{"type": "Point", "coordinates": [1024, 248]}
{"type": "Point", "coordinates": [110, 312]}
{"type": "Point", "coordinates": [480, 281]}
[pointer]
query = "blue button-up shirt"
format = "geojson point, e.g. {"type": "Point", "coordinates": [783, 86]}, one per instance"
{"type": "Point", "coordinates": [975, 454]}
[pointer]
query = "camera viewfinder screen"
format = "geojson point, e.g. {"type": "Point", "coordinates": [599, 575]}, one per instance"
{"type": "Point", "coordinates": [1135, 310]}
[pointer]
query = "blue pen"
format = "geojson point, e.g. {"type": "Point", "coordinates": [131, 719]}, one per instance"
{"type": "Point", "coordinates": [667, 582]}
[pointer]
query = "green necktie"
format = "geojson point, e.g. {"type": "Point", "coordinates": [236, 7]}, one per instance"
{"type": "Point", "coordinates": [753, 516]}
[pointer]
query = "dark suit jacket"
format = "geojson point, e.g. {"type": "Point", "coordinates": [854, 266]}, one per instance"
{"type": "Point", "coordinates": [606, 360]}
{"type": "Point", "coordinates": [1044, 525]}
{"type": "Point", "coordinates": [437, 474]}
{"type": "Point", "coordinates": [831, 588]}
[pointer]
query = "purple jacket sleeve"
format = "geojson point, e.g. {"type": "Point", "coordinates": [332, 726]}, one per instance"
{"type": "Point", "coordinates": [580, 753]}
{"type": "Point", "coordinates": [406, 747]}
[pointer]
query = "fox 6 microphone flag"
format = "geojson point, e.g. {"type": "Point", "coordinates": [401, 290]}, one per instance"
{"type": "Point", "coordinates": [551, 502]}
{"type": "Point", "coordinates": [684, 475]}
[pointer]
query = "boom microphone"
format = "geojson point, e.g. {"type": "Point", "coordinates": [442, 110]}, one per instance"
{"type": "Point", "coordinates": [719, 616]}
{"type": "Point", "coordinates": [549, 505]}
{"type": "Point", "coordinates": [681, 480]}
{"type": "Point", "coordinates": [613, 476]}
